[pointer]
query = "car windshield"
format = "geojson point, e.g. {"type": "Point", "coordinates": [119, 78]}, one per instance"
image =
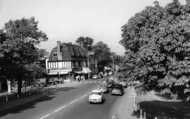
{"type": "Point", "coordinates": [96, 93]}
{"type": "Point", "coordinates": [116, 89]}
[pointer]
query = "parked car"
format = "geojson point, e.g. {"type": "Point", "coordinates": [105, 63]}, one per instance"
{"type": "Point", "coordinates": [96, 96]}
{"type": "Point", "coordinates": [117, 90]}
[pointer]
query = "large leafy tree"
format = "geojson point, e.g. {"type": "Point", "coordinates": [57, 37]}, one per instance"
{"type": "Point", "coordinates": [85, 42]}
{"type": "Point", "coordinates": [18, 50]}
{"type": "Point", "coordinates": [103, 54]}
{"type": "Point", "coordinates": [2, 39]}
{"type": "Point", "coordinates": [158, 46]}
{"type": "Point", "coordinates": [43, 53]}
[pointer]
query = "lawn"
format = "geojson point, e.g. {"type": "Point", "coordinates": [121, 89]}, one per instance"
{"type": "Point", "coordinates": [156, 106]}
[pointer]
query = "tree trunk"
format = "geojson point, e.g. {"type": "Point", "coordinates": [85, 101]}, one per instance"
{"type": "Point", "coordinates": [19, 89]}
{"type": "Point", "coordinates": [47, 80]}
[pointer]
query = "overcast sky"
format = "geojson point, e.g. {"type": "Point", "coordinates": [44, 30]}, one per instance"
{"type": "Point", "coordinates": [66, 20]}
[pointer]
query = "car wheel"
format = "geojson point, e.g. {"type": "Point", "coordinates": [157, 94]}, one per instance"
{"type": "Point", "coordinates": [102, 101]}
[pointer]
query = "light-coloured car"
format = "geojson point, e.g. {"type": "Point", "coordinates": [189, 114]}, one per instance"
{"type": "Point", "coordinates": [96, 96]}
{"type": "Point", "coordinates": [95, 76]}
{"type": "Point", "coordinates": [110, 73]}
{"type": "Point", "coordinates": [124, 84]}
{"type": "Point", "coordinates": [104, 89]}
{"type": "Point", "coordinates": [116, 91]}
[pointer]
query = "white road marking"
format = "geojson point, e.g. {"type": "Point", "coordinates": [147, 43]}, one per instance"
{"type": "Point", "coordinates": [64, 106]}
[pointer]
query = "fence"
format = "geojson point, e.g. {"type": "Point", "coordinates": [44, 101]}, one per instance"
{"type": "Point", "coordinates": [7, 97]}
{"type": "Point", "coordinates": [143, 114]}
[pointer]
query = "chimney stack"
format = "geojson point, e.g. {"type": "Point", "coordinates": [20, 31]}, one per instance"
{"type": "Point", "coordinates": [59, 50]}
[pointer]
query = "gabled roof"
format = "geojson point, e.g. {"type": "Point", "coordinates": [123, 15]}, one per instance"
{"type": "Point", "coordinates": [68, 52]}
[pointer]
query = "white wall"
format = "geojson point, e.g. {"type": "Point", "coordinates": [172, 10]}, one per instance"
{"type": "Point", "coordinates": [58, 65]}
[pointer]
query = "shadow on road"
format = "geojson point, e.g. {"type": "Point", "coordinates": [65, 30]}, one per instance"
{"type": "Point", "coordinates": [163, 110]}
{"type": "Point", "coordinates": [23, 107]}
{"type": "Point", "coordinates": [48, 95]}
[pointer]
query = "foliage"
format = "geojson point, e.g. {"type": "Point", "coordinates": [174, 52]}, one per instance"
{"type": "Point", "coordinates": [117, 59]}
{"type": "Point", "coordinates": [18, 51]}
{"type": "Point", "coordinates": [43, 53]}
{"type": "Point", "coordinates": [158, 46]}
{"type": "Point", "coordinates": [85, 42]}
{"type": "Point", "coordinates": [100, 51]}
{"type": "Point", "coordinates": [103, 54]}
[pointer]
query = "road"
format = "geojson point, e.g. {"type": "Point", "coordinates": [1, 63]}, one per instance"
{"type": "Point", "coordinates": [63, 103]}
{"type": "Point", "coordinates": [83, 110]}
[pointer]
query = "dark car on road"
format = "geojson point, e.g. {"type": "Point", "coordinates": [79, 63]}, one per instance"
{"type": "Point", "coordinates": [117, 89]}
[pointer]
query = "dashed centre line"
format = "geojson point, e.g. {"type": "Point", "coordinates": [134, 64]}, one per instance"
{"type": "Point", "coordinates": [63, 107]}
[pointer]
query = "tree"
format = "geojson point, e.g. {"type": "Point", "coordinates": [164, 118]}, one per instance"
{"type": "Point", "coordinates": [103, 54]}
{"type": "Point", "coordinates": [85, 42]}
{"type": "Point", "coordinates": [158, 46]}
{"type": "Point", "coordinates": [2, 39]}
{"type": "Point", "coordinates": [43, 53]}
{"type": "Point", "coordinates": [19, 53]}
{"type": "Point", "coordinates": [118, 59]}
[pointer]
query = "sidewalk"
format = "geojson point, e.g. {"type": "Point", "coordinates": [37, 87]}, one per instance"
{"type": "Point", "coordinates": [123, 108]}
{"type": "Point", "coordinates": [32, 98]}
{"type": "Point", "coordinates": [125, 105]}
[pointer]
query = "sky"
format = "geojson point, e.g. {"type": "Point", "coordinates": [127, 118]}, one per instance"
{"type": "Point", "coordinates": [66, 20]}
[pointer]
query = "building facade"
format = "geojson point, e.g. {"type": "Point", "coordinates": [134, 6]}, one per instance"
{"type": "Point", "coordinates": [67, 59]}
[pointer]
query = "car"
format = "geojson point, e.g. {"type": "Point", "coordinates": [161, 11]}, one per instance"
{"type": "Point", "coordinates": [104, 89]}
{"type": "Point", "coordinates": [110, 73]}
{"type": "Point", "coordinates": [110, 83]}
{"type": "Point", "coordinates": [123, 83]}
{"type": "Point", "coordinates": [94, 76]}
{"type": "Point", "coordinates": [117, 90]}
{"type": "Point", "coordinates": [96, 96]}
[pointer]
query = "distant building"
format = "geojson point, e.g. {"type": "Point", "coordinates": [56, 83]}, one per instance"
{"type": "Point", "coordinates": [67, 59]}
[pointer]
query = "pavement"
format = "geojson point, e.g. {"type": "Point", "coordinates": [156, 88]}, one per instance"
{"type": "Point", "coordinates": [124, 106]}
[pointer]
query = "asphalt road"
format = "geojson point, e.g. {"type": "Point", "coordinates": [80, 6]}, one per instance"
{"type": "Point", "coordinates": [82, 109]}
{"type": "Point", "coordinates": [48, 103]}
{"type": "Point", "coordinates": [64, 103]}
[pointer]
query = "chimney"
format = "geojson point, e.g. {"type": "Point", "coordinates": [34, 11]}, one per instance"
{"type": "Point", "coordinates": [59, 50]}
